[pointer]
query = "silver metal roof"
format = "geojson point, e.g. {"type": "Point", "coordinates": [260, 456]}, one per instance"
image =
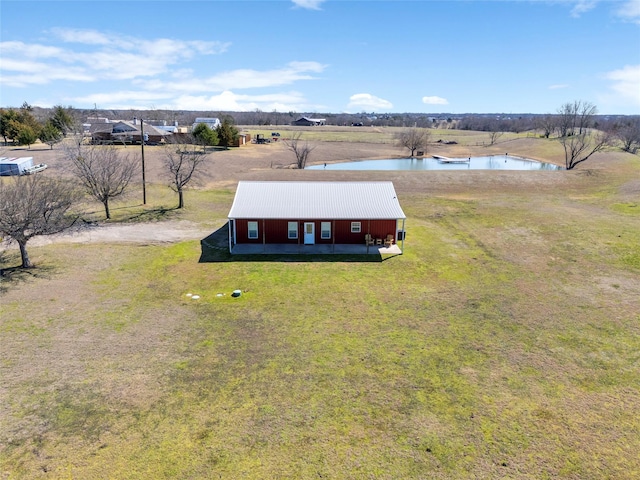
{"type": "Point", "coordinates": [316, 200]}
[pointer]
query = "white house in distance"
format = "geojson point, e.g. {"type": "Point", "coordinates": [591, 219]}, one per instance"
{"type": "Point", "coordinates": [212, 123]}
{"type": "Point", "coordinates": [309, 122]}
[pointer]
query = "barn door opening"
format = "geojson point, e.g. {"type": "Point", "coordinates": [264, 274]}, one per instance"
{"type": "Point", "coordinates": [309, 233]}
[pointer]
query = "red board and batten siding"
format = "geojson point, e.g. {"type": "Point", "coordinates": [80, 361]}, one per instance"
{"type": "Point", "coordinates": [276, 231]}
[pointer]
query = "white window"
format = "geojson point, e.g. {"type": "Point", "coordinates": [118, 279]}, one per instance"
{"type": "Point", "coordinates": [252, 227]}
{"type": "Point", "coordinates": [356, 227]}
{"type": "Point", "coordinates": [325, 230]}
{"type": "Point", "coordinates": [293, 229]}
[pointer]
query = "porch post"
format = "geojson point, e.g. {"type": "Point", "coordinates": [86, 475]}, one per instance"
{"type": "Point", "coordinates": [264, 238]}
{"type": "Point", "coordinates": [404, 234]}
{"type": "Point", "coordinates": [333, 234]}
{"type": "Point", "coordinates": [230, 236]}
{"type": "Point", "coordinates": [368, 233]}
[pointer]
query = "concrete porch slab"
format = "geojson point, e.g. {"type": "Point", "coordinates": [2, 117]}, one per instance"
{"type": "Point", "coordinates": [318, 249]}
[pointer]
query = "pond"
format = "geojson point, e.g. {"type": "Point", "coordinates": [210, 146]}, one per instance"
{"type": "Point", "coordinates": [493, 162]}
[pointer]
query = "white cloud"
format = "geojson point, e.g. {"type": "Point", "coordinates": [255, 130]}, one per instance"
{"type": "Point", "coordinates": [245, 78]}
{"type": "Point", "coordinates": [88, 37]}
{"type": "Point", "coordinates": [558, 86]}
{"type": "Point", "coordinates": [435, 100]}
{"type": "Point", "coordinates": [309, 4]}
{"type": "Point", "coordinates": [20, 49]}
{"type": "Point", "coordinates": [37, 73]}
{"type": "Point", "coordinates": [23, 66]}
{"type": "Point", "coordinates": [626, 9]}
{"type": "Point", "coordinates": [366, 101]}
{"type": "Point", "coordinates": [230, 101]}
{"type": "Point", "coordinates": [583, 6]}
{"type": "Point", "coordinates": [104, 57]}
{"type": "Point", "coordinates": [155, 47]}
{"type": "Point", "coordinates": [226, 100]}
{"type": "Point", "coordinates": [626, 83]}
{"type": "Point", "coordinates": [141, 72]}
{"type": "Point", "coordinates": [122, 99]}
{"type": "Point", "coordinates": [630, 10]}
{"type": "Point", "coordinates": [236, 79]}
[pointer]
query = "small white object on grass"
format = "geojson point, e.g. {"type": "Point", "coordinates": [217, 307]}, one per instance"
{"type": "Point", "coordinates": [195, 297]}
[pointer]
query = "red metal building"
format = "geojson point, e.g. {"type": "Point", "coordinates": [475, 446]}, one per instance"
{"type": "Point", "coordinates": [315, 213]}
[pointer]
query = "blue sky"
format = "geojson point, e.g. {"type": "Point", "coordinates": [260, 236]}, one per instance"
{"type": "Point", "coordinates": [322, 56]}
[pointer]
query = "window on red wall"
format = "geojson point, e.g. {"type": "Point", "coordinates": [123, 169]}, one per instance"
{"type": "Point", "coordinates": [292, 228]}
{"type": "Point", "coordinates": [252, 228]}
{"type": "Point", "coordinates": [325, 230]}
{"type": "Point", "coordinates": [356, 227]}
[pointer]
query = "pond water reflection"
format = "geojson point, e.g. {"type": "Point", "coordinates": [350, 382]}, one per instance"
{"type": "Point", "coordinates": [493, 162]}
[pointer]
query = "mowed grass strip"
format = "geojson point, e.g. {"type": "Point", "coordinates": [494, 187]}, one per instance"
{"type": "Point", "coordinates": [503, 343]}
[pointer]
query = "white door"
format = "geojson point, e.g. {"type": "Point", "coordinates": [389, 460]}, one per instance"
{"type": "Point", "coordinates": [309, 233]}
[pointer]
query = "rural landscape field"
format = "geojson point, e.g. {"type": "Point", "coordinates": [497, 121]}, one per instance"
{"type": "Point", "coordinates": [503, 343]}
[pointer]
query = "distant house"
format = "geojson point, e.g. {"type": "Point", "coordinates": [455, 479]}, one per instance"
{"type": "Point", "coordinates": [212, 123]}
{"type": "Point", "coordinates": [168, 128]}
{"type": "Point", "coordinates": [100, 132]}
{"type": "Point", "coordinates": [309, 122]}
{"type": "Point", "coordinates": [91, 120]}
{"type": "Point", "coordinates": [307, 214]}
{"type": "Point", "coordinates": [162, 125]}
{"type": "Point", "coordinates": [124, 132]}
{"type": "Point", "coordinates": [124, 128]}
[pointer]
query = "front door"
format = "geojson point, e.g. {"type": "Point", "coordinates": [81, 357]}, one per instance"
{"type": "Point", "coordinates": [309, 233]}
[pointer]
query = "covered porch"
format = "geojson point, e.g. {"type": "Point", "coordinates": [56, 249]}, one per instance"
{"type": "Point", "coordinates": [315, 249]}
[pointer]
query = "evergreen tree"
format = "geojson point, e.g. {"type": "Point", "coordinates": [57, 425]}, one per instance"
{"type": "Point", "coordinates": [227, 132]}
{"type": "Point", "coordinates": [50, 134]}
{"type": "Point", "coordinates": [6, 117]}
{"type": "Point", "coordinates": [62, 119]}
{"type": "Point", "coordinates": [26, 135]}
{"type": "Point", "coordinates": [204, 136]}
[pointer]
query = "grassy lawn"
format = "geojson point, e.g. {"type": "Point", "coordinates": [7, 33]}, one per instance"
{"type": "Point", "coordinates": [504, 343]}
{"type": "Point", "coordinates": [380, 134]}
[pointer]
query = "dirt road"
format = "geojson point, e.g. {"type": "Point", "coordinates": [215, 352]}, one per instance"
{"type": "Point", "coordinates": [143, 233]}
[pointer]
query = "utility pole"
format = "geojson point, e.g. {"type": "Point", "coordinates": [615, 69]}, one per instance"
{"type": "Point", "coordinates": [144, 187]}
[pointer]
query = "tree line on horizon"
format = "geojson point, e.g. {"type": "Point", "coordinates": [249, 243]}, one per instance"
{"type": "Point", "coordinates": [485, 122]}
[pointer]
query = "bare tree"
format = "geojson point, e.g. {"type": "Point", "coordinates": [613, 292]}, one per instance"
{"type": "Point", "coordinates": [494, 136]}
{"type": "Point", "coordinates": [547, 123]}
{"type": "Point", "coordinates": [585, 111]}
{"type": "Point", "coordinates": [564, 120]}
{"type": "Point", "coordinates": [629, 134]}
{"type": "Point", "coordinates": [579, 140]}
{"type": "Point", "coordinates": [32, 206]}
{"type": "Point", "coordinates": [575, 117]}
{"type": "Point", "coordinates": [413, 139]}
{"type": "Point", "coordinates": [182, 166]}
{"type": "Point", "coordinates": [579, 147]}
{"type": "Point", "coordinates": [104, 172]}
{"type": "Point", "coordinates": [300, 150]}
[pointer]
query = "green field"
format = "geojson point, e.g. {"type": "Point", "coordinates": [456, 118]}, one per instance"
{"type": "Point", "coordinates": [377, 134]}
{"type": "Point", "coordinates": [504, 343]}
